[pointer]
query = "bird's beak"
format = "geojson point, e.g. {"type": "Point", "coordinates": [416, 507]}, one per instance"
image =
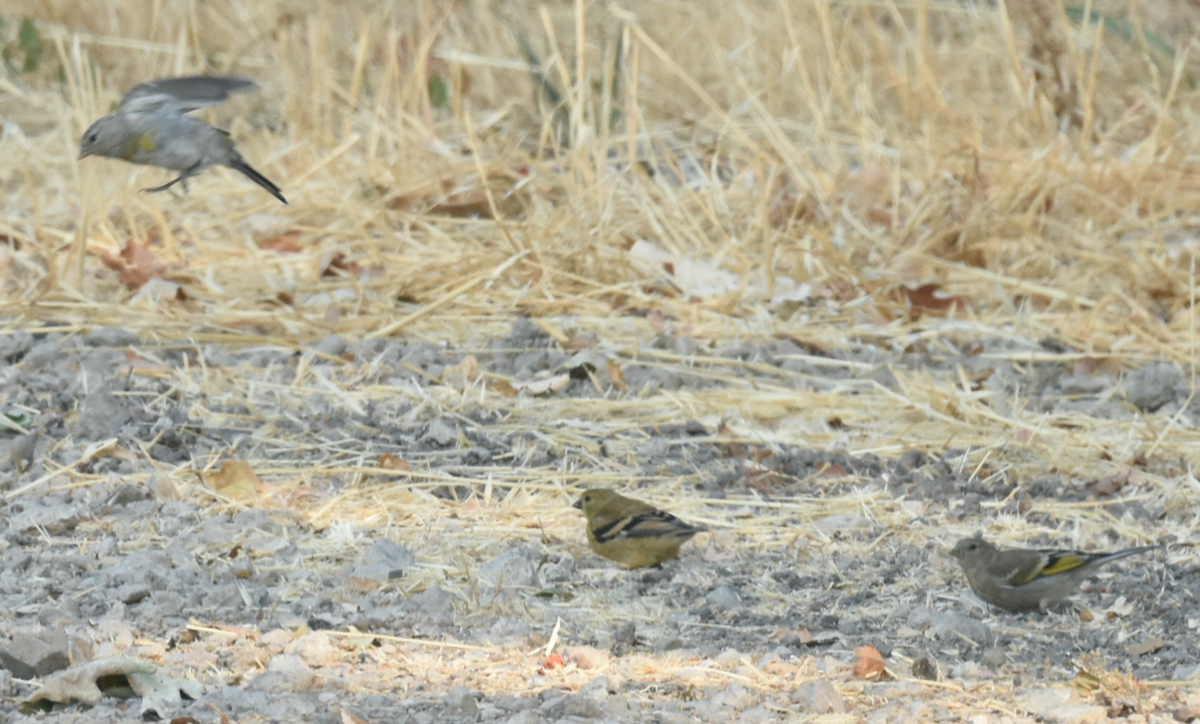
{"type": "Point", "coordinates": [578, 504]}
{"type": "Point", "coordinates": [83, 155]}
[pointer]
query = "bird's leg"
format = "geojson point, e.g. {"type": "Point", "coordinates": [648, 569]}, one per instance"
{"type": "Point", "coordinates": [183, 177]}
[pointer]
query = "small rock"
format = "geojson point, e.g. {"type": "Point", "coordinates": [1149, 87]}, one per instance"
{"type": "Point", "coordinates": [921, 617]}
{"type": "Point", "coordinates": [723, 599]}
{"type": "Point", "coordinates": [658, 575]}
{"type": "Point", "coordinates": [14, 346]}
{"type": "Point", "coordinates": [598, 688]}
{"type": "Point", "coordinates": [516, 703]}
{"type": "Point", "coordinates": [441, 433]}
{"type": "Point", "coordinates": [386, 560]}
{"type": "Point", "coordinates": [958, 626]}
{"type": "Point", "coordinates": [1062, 706]}
{"type": "Point", "coordinates": [924, 667]}
{"type": "Point", "coordinates": [126, 494]}
{"type": "Point", "coordinates": [966, 670]}
{"type": "Point", "coordinates": [574, 705]}
{"type": "Point", "coordinates": [285, 673]}
{"type": "Point", "coordinates": [884, 690]}
{"type": "Point", "coordinates": [43, 353]}
{"type": "Point", "coordinates": [433, 607]}
{"type": "Point", "coordinates": [842, 523]}
{"type": "Point", "coordinates": [671, 717]}
{"type": "Point", "coordinates": [624, 638]}
{"type": "Point", "coordinates": [29, 656]}
{"type": "Point", "coordinates": [101, 415]}
{"type": "Point", "coordinates": [819, 697]}
{"type": "Point", "coordinates": [514, 568]}
{"type": "Point", "coordinates": [1154, 385]}
{"type": "Point", "coordinates": [1188, 710]}
{"type": "Point", "coordinates": [616, 708]}
{"type": "Point", "coordinates": [132, 593]}
{"type": "Point", "coordinates": [60, 614]}
{"type": "Point", "coordinates": [21, 450]}
{"type": "Point", "coordinates": [756, 715]}
{"type": "Point", "coordinates": [462, 700]}
{"type": "Point", "coordinates": [994, 658]}
{"type": "Point", "coordinates": [525, 332]}
{"type": "Point", "coordinates": [55, 520]}
{"type": "Point", "coordinates": [275, 639]}
{"type": "Point", "coordinates": [315, 649]}
{"type": "Point", "coordinates": [524, 717]}
{"type": "Point", "coordinates": [733, 697]}
{"type": "Point", "coordinates": [1038, 699]}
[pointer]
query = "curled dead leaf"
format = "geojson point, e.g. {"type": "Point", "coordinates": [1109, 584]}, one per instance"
{"type": "Point", "coordinates": [930, 299]}
{"type": "Point", "coordinates": [870, 663]}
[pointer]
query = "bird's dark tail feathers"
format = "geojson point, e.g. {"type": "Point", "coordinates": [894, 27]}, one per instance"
{"type": "Point", "coordinates": [239, 165]}
{"type": "Point", "coordinates": [1127, 552]}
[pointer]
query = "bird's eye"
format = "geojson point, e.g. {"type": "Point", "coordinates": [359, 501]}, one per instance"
{"type": "Point", "coordinates": [91, 138]}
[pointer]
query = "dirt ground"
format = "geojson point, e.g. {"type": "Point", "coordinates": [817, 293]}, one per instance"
{"type": "Point", "coordinates": [440, 527]}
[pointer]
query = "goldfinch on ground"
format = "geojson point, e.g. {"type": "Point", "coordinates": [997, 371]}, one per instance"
{"type": "Point", "coordinates": [630, 532]}
{"type": "Point", "coordinates": [1028, 580]}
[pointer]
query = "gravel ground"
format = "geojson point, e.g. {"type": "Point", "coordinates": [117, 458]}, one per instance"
{"type": "Point", "coordinates": [107, 551]}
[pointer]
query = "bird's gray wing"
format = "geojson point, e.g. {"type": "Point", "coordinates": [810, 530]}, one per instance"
{"type": "Point", "coordinates": [182, 95]}
{"type": "Point", "coordinates": [1019, 567]}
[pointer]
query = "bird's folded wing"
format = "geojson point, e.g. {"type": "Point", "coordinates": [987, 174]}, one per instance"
{"type": "Point", "coordinates": [1019, 567]}
{"type": "Point", "coordinates": [651, 524]}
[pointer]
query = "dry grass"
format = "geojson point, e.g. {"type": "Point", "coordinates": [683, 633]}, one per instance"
{"type": "Point", "coordinates": [1041, 171]}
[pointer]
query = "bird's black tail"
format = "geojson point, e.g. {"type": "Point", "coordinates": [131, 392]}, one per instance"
{"type": "Point", "coordinates": [239, 165]}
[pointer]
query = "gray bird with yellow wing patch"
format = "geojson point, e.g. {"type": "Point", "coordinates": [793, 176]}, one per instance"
{"type": "Point", "coordinates": [151, 127]}
{"type": "Point", "coordinates": [1028, 580]}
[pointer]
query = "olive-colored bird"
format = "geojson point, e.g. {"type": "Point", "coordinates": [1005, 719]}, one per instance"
{"type": "Point", "coordinates": [1028, 580]}
{"type": "Point", "coordinates": [630, 532]}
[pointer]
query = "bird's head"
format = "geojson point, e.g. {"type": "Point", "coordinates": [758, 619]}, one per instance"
{"type": "Point", "coordinates": [591, 500]}
{"type": "Point", "coordinates": [106, 137]}
{"type": "Point", "coordinates": [972, 549]}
